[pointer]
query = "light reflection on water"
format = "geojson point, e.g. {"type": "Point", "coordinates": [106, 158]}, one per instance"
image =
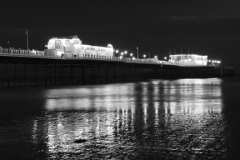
{"type": "Point", "coordinates": [133, 111]}
{"type": "Point", "coordinates": [164, 118]}
{"type": "Point", "coordinates": [194, 96]}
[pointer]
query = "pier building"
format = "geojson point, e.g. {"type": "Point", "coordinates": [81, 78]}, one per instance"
{"type": "Point", "coordinates": [73, 47]}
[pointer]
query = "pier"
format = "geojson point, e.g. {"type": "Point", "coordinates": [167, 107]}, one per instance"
{"type": "Point", "coordinates": [33, 68]}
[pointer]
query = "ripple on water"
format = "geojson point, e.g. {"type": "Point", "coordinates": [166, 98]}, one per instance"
{"type": "Point", "coordinates": [178, 119]}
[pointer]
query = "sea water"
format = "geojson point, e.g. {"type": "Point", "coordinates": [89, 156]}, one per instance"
{"type": "Point", "coordinates": [158, 119]}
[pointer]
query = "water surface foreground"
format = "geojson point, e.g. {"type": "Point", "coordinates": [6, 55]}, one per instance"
{"type": "Point", "coordinates": [162, 119]}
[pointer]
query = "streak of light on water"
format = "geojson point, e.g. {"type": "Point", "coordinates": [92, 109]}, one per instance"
{"type": "Point", "coordinates": [183, 118]}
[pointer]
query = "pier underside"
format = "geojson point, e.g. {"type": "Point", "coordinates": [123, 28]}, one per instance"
{"type": "Point", "coordinates": [22, 71]}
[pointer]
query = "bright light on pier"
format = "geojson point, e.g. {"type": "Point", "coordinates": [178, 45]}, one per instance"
{"type": "Point", "coordinates": [214, 61]}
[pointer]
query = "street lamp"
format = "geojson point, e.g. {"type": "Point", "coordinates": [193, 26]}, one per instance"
{"type": "Point", "coordinates": [116, 52]}
{"type": "Point", "coordinates": [144, 56]}
{"type": "Point", "coordinates": [125, 52]}
{"type": "Point", "coordinates": [155, 57]}
{"type": "Point", "coordinates": [165, 58]}
{"type": "Point", "coordinates": [131, 54]}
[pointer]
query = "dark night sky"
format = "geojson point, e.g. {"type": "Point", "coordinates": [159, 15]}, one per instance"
{"type": "Point", "coordinates": [208, 27]}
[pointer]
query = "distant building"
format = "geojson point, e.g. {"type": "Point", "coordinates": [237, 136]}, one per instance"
{"type": "Point", "coordinates": [189, 60]}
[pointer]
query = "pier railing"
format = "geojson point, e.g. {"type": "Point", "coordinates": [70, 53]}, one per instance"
{"type": "Point", "coordinates": [40, 54]}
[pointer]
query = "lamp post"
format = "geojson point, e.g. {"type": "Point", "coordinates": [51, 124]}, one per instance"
{"type": "Point", "coordinates": [8, 44]}
{"type": "Point", "coordinates": [131, 56]}
{"type": "Point", "coordinates": [121, 55]}
{"type": "Point", "coordinates": [209, 61]}
{"type": "Point", "coordinates": [137, 52]}
{"type": "Point", "coordinates": [144, 56]}
{"type": "Point", "coordinates": [125, 54]}
{"type": "Point", "coordinates": [27, 38]}
{"type": "Point", "coordinates": [116, 52]}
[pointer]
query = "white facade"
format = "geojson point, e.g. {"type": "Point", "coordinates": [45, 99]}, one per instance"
{"type": "Point", "coordinates": [189, 60]}
{"type": "Point", "coordinates": [73, 47]}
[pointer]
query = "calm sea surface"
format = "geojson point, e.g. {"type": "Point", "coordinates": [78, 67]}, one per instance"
{"type": "Point", "coordinates": [162, 119]}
